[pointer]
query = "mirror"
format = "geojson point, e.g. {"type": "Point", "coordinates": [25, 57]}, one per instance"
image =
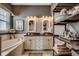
{"type": "Point", "coordinates": [45, 25]}
{"type": "Point", "coordinates": [31, 25]}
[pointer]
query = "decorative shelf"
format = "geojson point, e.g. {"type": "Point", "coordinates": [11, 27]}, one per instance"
{"type": "Point", "coordinates": [69, 19]}
{"type": "Point", "coordinates": [68, 6]}
{"type": "Point", "coordinates": [66, 40]}
{"type": "Point", "coordinates": [69, 42]}
{"type": "Point", "coordinates": [62, 54]}
{"type": "Point", "coordinates": [74, 17]}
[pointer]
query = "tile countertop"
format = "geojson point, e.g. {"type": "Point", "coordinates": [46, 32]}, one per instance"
{"type": "Point", "coordinates": [9, 49]}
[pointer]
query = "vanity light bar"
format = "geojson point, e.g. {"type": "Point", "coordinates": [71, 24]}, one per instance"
{"type": "Point", "coordinates": [31, 16]}
{"type": "Point", "coordinates": [47, 17]}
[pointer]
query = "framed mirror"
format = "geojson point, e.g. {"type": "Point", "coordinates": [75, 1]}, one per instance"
{"type": "Point", "coordinates": [31, 24]}
{"type": "Point", "coordinates": [45, 26]}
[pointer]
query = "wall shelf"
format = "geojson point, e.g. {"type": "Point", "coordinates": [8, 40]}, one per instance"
{"type": "Point", "coordinates": [66, 40]}
{"type": "Point", "coordinates": [70, 19]}
{"type": "Point", "coordinates": [64, 5]}
{"type": "Point", "coordinates": [70, 42]}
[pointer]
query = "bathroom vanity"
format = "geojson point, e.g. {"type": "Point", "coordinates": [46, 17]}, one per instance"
{"type": "Point", "coordinates": [39, 42]}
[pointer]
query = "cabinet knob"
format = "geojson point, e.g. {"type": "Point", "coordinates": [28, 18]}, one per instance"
{"type": "Point", "coordinates": [48, 40]}
{"type": "Point", "coordinates": [30, 40]}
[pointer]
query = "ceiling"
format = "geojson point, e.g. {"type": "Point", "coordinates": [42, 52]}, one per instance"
{"type": "Point", "coordinates": [31, 3]}
{"type": "Point", "coordinates": [65, 5]}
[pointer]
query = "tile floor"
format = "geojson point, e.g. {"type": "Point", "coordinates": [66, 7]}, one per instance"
{"type": "Point", "coordinates": [38, 53]}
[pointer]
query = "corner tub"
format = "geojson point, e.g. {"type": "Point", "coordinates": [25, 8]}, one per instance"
{"type": "Point", "coordinates": [10, 45]}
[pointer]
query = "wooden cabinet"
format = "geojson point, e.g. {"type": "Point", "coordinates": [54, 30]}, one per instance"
{"type": "Point", "coordinates": [48, 42]}
{"type": "Point", "coordinates": [28, 43]}
{"type": "Point", "coordinates": [39, 42]}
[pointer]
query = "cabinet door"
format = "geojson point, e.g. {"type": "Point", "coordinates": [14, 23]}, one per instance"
{"type": "Point", "coordinates": [33, 44]}
{"type": "Point", "coordinates": [41, 43]}
{"type": "Point", "coordinates": [37, 43]}
{"type": "Point", "coordinates": [44, 43]}
{"type": "Point", "coordinates": [25, 43]}
{"type": "Point", "coordinates": [48, 42]}
{"type": "Point", "coordinates": [28, 43]}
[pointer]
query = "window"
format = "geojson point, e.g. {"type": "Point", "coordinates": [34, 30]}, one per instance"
{"type": "Point", "coordinates": [4, 20]}
{"type": "Point", "coordinates": [19, 25]}
{"type": "Point", "coordinates": [2, 25]}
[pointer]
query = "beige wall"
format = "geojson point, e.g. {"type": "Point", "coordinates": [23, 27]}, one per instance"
{"type": "Point", "coordinates": [24, 11]}
{"type": "Point", "coordinates": [38, 24]}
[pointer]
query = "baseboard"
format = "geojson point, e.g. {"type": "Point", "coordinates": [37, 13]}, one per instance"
{"type": "Point", "coordinates": [38, 50]}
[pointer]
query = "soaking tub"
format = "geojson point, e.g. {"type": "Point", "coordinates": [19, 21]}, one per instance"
{"type": "Point", "coordinates": [10, 45]}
